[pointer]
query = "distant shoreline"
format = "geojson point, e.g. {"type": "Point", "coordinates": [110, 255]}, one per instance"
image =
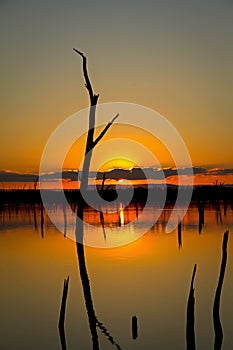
{"type": "Point", "coordinates": [206, 193]}
{"type": "Point", "coordinates": [70, 179]}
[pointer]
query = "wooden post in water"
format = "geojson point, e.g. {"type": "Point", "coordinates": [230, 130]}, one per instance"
{"type": "Point", "coordinates": [201, 212]}
{"type": "Point", "coordinates": [225, 206]}
{"type": "Point", "coordinates": [216, 308]}
{"type": "Point", "coordinates": [190, 325]}
{"type": "Point", "coordinates": [179, 233]}
{"type": "Point", "coordinates": [134, 327]}
{"type": "Point", "coordinates": [102, 223]}
{"type": "Point", "coordinates": [34, 215]}
{"type": "Point", "coordinates": [61, 324]}
{"type": "Point", "coordinates": [65, 219]}
{"type": "Point", "coordinates": [102, 184]}
{"type": "Point", "coordinates": [42, 219]}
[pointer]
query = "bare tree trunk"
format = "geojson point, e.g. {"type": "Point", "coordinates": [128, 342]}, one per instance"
{"type": "Point", "coordinates": [61, 324]}
{"type": "Point", "coordinates": [90, 142]}
{"type": "Point", "coordinates": [179, 234]}
{"type": "Point", "coordinates": [190, 326]}
{"type": "Point", "coordinates": [79, 231]}
{"type": "Point", "coordinates": [216, 317]}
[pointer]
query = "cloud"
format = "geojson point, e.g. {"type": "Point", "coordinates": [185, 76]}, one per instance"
{"type": "Point", "coordinates": [9, 176]}
{"type": "Point", "coordinates": [115, 174]}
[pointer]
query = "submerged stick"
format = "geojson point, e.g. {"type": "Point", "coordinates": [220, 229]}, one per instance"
{"type": "Point", "coordinates": [42, 219]}
{"type": "Point", "coordinates": [102, 184]}
{"type": "Point", "coordinates": [216, 308]}
{"type": "Point", "coordinates": [179, 234]}
{"type": "Point", "coordinates": [134, 327]}
{"type": "Point", "coordinates": [61, 324]}
{"type": "Point", "coordinates": [65, 220]}
{"type": "Point", "coordinates": [201, 216]}
{"type": "Point", "coordinates": [190, 326]}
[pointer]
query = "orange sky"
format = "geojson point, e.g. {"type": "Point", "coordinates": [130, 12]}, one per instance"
{"type": "Point", "coordinates": [122, 153]}
{"type": "Point", "coordinates": [175, 58]}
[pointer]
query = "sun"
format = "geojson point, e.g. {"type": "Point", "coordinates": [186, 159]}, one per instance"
{"type": "Point", "coordinates": [118, 163]}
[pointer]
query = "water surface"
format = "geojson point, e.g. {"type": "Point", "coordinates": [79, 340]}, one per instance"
{"type": "Point", "coordinates": [149, 278]}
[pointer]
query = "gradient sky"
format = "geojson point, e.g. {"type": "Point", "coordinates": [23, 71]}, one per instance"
{"type": "Point", "coordinates": [172, 56]}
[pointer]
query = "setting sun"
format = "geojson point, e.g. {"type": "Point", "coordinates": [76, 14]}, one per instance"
{"type": "Point", "coordinates": [120, 163]}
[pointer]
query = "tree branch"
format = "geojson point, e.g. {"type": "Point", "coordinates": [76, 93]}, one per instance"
{"type": "Point", "coordinates": [107, 334]}
{"type": "Point", "coordinates": [93, 97]}
{"type": "Point", "coordinates": [103, 132]}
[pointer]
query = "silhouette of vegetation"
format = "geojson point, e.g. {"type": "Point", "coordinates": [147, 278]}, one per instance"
{"type": "Point", "coordinates": [61, 324]}
{"type": "Point", "coordinates": [79, 231]}
{"type": "Point", "coordinates": [34, 216]}
{"type": "Point", "coordinates": [91, 142]}
{"type": "Point", "coordinates": [134, 327]}
{"type": "Point", "coordinates": [42, 219]}
{"type": "Point", "coordinates": [201, 212]}
{"type": "Point", "coordinates": [35, 184]}
{"type": "Point", "coordinates": [65, 220]}
{"type": "Point", "coordinates": [216, 308]}
{"type": "Point", "coordinates": [190, 325]}
{"type": "Point", "coordinates": [201, 194]}
{"type": "Point", "coordinates": [179, 234]}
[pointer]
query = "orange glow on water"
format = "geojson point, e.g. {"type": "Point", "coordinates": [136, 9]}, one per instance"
{"type": "Point", "coordinates": [121, 216]}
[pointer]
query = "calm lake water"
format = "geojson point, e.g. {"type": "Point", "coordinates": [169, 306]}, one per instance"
{"type": "Point", "coordinates": [149, 278]}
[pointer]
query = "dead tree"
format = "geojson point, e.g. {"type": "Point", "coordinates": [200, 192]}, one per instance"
{"type": "Point", "coordinates": [216, 308]}
{"type": "Point", "coordinates": [91, 142]}
{"type": "Point", "coordinates": [190, 323]}
{"type": "Point", "coordinates": [61, 324]}
{"type": "Point", "coordinates": [179, 233]}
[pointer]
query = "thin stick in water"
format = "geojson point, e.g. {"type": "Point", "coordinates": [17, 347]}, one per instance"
{"type": "Point", "coordinates": [216, 308]}
{"type": "Point", "coordinates": [61, 324]}
{"type": "Point", "coordinates": [190, 326]}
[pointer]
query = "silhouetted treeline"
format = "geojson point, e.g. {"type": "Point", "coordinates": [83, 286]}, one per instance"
{"type": "Point", "coordinates": [212, 194]}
